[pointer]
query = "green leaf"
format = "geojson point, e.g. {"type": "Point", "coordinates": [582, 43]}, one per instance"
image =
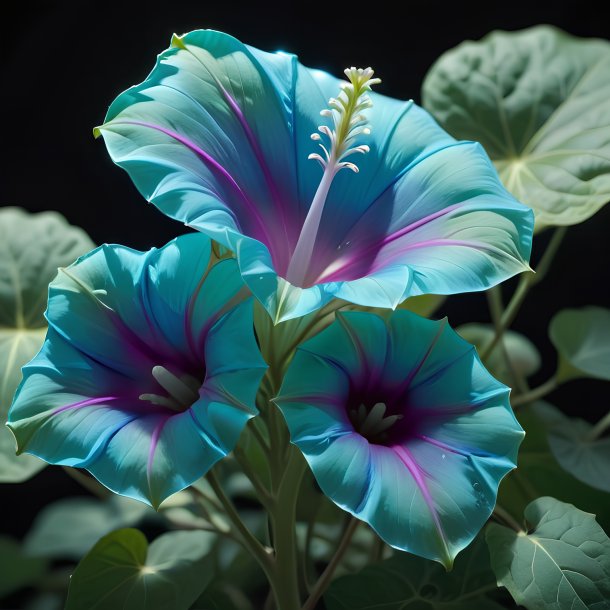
{"type": "Point", "coordinates": [587, 458]}
{"type": "Point", "coordinates": [522, 353]}
{"type": "Point", "coordinates": [69, 528]}
{"type": "Point", "coordinates": [539, 102]}
{"type": "Point", "coordinates": [582, 339]}
{"type": "Point", "coordinates": [539, 474]}
{"type": "Point", "coordinates": [407, 582]}
{"type": "Point", "coordinates": [17, 570]}
{"type": "Point", "coordinates": [32, 246]}
{"type": "Point", "coordinates": [561, 563]}
{"type": "Point", "coordinates": [122, 571]}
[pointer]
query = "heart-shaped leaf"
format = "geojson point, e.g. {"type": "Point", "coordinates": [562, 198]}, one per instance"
{"type": "Point", "coordinates": [68, 528]}
{"type": "Point", "coordinates": [122, 571]}
{"type": "Point", "coordinates": [407, 582]}
{"type": "Point", "coordinates": [539, 102]}
{"type": "Point", "coordinates": [570, 439]}
{"type": "Point", "coordinates": [522, 353]}
{"type": "Point", "coordinates": [561, 562]}
{"type": "Point", "coordinates": [582, 339]}
{"type": "Point", "coordinates": [32, 247]}
{"type": "Point", "coordinates": [539, 474]}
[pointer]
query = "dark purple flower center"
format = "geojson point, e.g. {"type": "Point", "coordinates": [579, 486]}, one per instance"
{"type": "Point", "coordinates": [178, 390]}
{"type": "Point", "coordinates": [375, 422]}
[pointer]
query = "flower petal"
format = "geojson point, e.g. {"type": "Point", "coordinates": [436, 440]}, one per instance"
{"type": "Point", "coordinates": [218, 136]}
{"type": "Point", "coordinates": [430, 484]}
{"type": "Point", "coordinates": [120, 322]}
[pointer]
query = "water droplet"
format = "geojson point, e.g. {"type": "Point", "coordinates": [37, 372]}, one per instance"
{"type": "Point", "coordinates": [260, 277]}
{"type": "Point", "coordinates": [443, 456]}
{"type": "Point", "coordinates": [476, 486]}
{"type": "Point", "coordinates": [477, 504]}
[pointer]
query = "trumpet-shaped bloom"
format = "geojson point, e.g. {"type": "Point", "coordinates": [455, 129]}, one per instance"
{"type": "Point", "coordinates": [225, 137]}
{"type": "Point", "coordinates": [149, 370]}
{"type": "Point", "coordinates": [403, 427]}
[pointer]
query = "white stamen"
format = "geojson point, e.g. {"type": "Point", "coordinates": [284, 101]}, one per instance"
{"type": "Point", "coordinates": [181, 390]}
{"type": "Point", "coordinates": [374, 422]}
{"type": "Point", "coordinates": [349, 123]}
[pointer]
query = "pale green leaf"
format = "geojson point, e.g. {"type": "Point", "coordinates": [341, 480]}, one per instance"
{"type": "Point", "coordinates": [122, 571]}
{"type": "Point", "coordinates": [586, 458]}
{"type": "Point", "coordinates": [539, 102]}
{"type": "Point", "coordinates": [32, 247]}
{"type": "Point", "coordinates": [522, 353]}
{"type": "Point", "coordinates": [539, 474]}
{"type": "Point", "coordinates": [582, 339]}
{"type": "Point", "coordinates": [561, 563]}
{"type": "Point", "coordinates": [68, 528]}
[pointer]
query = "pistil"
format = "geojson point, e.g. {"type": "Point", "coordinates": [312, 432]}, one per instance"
{"type": "Point", "coordinates": [349, 123]}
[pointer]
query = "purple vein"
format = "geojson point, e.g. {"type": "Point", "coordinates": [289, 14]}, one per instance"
{"type": "Point", "coordinates": [252, 140]}
{"type": "Point", "coordinates": [85, 403]}
{"type": "Point", "coordinates": [415, 471]}
{"type": "Point", "coordinates": [154, 441]}
{"type": "Point", "coordinates": [258, 153]}
{"type": "Point", "coordinates": [388, 239]}
{"type": "Point", "coordinates": [208, 159]}
{"type": "Point", "coordinates": [413, 373]}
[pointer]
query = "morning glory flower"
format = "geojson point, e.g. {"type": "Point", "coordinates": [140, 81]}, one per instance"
{"type": "Point", "coordinates": [403, 427]}
{"type": "Point", "coordinates": [149, 370]}
{"type": "Point", "coordinates": [226, 138]}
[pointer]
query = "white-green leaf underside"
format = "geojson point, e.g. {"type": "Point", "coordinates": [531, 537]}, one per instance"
{"type": "Point", "coordinates": [32, 247]}
{"type": "Point", "coordinates": [538, 100]}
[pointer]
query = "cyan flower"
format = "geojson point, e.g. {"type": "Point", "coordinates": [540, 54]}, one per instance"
{"type": "Point", "coordinates": [149, 370]}
{"type": "Point", "coordinates": [219, 136]}
{"type": "Point", "coordinates": [403, 427]}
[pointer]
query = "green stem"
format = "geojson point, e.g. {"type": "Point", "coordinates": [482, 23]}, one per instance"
{"type": "Point", "coordinates": [599, 428]}
{"type": "Point", "coordinates": [264, 496]}
{"type": "Point", "coordinates": [496, 309]}
{"type": "Point", "coordinates": [283, 520]}
{"type": "Point", "coordinates": [89, 483]}
{"type": "Point", "coordinates": [528, 279]}
{"type": "Point", "coordinates": [247, 537]}
{"type": "Point", "coordinates": [507, 518]}
{"type": "Point", "coordinates": [536, 394]}
{"type": "Point", "coordinates": [326, 576]}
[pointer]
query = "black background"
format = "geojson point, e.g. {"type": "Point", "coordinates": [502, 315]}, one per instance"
{"type": "Point", "coordinates": [63, 63]}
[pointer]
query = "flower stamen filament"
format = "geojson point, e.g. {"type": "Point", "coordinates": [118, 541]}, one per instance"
{"type": "Point", "coordinates": [349, 123]}
{"type": "Point", "coordinates": [182, 391]}
{"type": "Point", "coordinates": [373, 422]}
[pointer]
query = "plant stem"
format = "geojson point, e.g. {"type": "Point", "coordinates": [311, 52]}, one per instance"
{"type": "Point", "coordinates": [263, 493]}
{"type": "Point", "coordinates": [505, 516]}
{"type": "Point", "coordinates": [540, 392]}
{"type": "Point", "coordinates": [496, 309]}
{"type": "Point", "coordinates": [599, 428]}
{"type": "Point", "coordinates": [247, 537]}
{"type": "Point", "coordinates": [283, 519]}
{"type": "Point", "coordinates": [326, 576]}
{"type": "Point", "coordinates": [89, 483]}
{"type": "Point", "coordinates": [528, 279]}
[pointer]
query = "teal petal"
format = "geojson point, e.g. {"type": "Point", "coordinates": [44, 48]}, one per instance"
{"type": "Point", "coordinates": [149, 371]}
{"type": "Point", "coordinates": [218, 137]}
{"type": "Point", "coordinates": [426, 480]}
